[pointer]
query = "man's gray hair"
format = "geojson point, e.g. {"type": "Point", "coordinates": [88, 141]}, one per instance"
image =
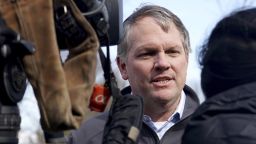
{"type": "Point", "coordinates": [163, 17]}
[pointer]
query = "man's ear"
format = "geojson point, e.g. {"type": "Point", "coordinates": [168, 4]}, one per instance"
{"type": "Point", "coordinates": [122, 67]}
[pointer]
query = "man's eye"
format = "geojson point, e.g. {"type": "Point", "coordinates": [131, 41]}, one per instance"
{"type": "Point", "coordinates": [173, 52]}
{"type": "Point", "coordinates": [146, 54]}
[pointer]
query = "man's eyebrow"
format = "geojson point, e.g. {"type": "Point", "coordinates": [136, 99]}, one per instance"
{"type": "Point", "coordinates": [147, 49]}
{"type": "Point", "coordinates": [146, 46]}
{"type": "Point", "coordinates": [174, 47]}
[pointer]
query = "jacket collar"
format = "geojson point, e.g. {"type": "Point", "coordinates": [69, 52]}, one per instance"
{"type": "Point", "coordinates": [191, 103]}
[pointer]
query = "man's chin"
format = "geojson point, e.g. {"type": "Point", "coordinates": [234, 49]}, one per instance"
{"type": "Point", "coordinates": [163, 94]}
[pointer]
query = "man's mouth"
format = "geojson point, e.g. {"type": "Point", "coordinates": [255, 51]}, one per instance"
{"type": "Point", "coordinates": [161, 81]}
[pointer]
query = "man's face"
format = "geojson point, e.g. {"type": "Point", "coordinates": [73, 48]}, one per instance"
{"type": "Point", "coordinates": [156, 64]}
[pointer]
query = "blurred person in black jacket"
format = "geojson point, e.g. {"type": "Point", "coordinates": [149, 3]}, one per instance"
{"type": "Point", "coordinates": [228, 81]}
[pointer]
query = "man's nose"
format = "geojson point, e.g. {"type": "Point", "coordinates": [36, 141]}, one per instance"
{"type": "Point", "coordinates": [162, 62]}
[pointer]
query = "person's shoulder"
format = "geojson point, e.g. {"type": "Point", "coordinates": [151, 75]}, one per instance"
{"type": "Point", "coordinates": [100, 118]}
{"type": "Point", "coordinates": [96, 123]}
{"type": "Point", "coordinates": [91, 131]}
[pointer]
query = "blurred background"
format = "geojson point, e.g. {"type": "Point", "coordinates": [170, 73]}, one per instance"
{"type": "Point", "coordinates": [199, 17]}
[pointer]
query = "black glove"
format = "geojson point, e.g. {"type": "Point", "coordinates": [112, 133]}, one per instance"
{"type": "Point", "coordinates": [125, 119]}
